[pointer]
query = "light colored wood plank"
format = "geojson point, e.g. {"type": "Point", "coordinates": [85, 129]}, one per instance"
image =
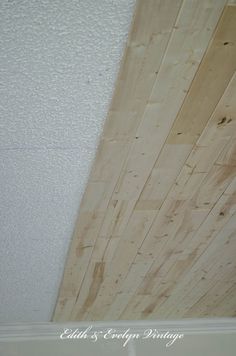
{"type": "Point", "coordinates": [210, 82]}
{"type": "Point", "coordinates": [126, 249]}
{"type": "Point", "coordinates": [216, 263]}
{"type": "Point", "coordinates": [168, 303]}
{"type": "Point", "coordinates": [146, 197]}
{"type": "Point", "coordinates": [179, 219]}
{"type": "Point", "coordinates": [153, 131]}
{"type": "Point", "coordinates": [151, 30]}
{"type": "Point", "coordinates": [221, 178]}
{"type": "Point", "coordinates": [210, 250]}
{"type": "Point", "coordinates": [220, 139]}
{"type": "Point", "coordinates": [227, 306]}
{"type": "Point", "coordinates": [211, 299]}
{"type": "Point", "coordinates": [186, 47]}
{"type": "Point", "coordinates": [152, 26]}
{"type": "Point", "coordinates": [163, 289]}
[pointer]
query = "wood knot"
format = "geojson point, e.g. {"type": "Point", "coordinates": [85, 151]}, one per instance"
{"type": "Point", "coordinates": [222, 121]}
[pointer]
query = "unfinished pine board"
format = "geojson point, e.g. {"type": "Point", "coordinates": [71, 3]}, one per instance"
{"type": "Point", "coordinates": [210, 299]}
{"type": "Point", "coordinates": [166, 304]}
{"type": "Point", "coordinates": [152, 26]}
{"type": "Point", "coordinates": [226, 307]}
{"type": "Point", "coordinates": [208, 235]}
{"type": "Point", "coordinates": [216, 263]}
{"type": "Point", "coordinates": [182, 189]}
{"type": "Point", "coordinates": [176, 254]}
{"type": "Point", "coordinates": [165, 163]}
{"type": "Point", "coordinates": [144, 151]}
{"type": "Point", "coordinates": [183, 55]}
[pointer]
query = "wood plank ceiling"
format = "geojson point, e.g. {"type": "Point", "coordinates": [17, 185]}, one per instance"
{"type": "Point", "coordinates": [155, 236]}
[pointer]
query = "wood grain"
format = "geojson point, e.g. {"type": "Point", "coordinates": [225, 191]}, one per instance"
{"type": "Point", "coordinates": [160, 201]}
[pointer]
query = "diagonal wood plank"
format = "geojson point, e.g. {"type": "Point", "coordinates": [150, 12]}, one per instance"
{"type": "Point", "coordinates": [183, 210]}
{"type": "Point", "coordinates": [152, 26]}
{"type": "Point", "coordinates": [128, 246]}
{"type": "Point", "coordinates": [166, 141]}
{"type": "Point", "coordinates": [186, 206]}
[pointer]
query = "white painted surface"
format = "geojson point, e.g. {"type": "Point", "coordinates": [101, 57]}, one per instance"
{"type": "Point", "coordinates": [59, 60]}
{"type": "Point", "coordinates": [214, 337]}
{"type": "Point", "coordinates": [207, 345]}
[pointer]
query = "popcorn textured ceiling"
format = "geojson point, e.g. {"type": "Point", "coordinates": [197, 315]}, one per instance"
{"type": "Point", "coordinates": [59, 60]}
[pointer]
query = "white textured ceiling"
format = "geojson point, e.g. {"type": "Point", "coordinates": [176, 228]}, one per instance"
{"type": "Point", "coordinates": [59, 60]}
